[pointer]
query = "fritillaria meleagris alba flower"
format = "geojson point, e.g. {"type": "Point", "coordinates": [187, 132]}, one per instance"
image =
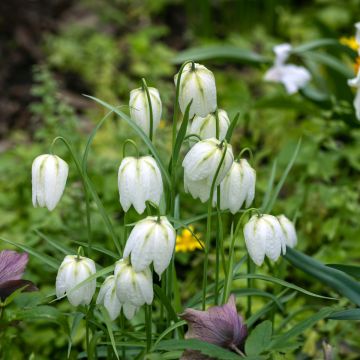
{"type": "Point", "coordinates": [288, 230]}
{"type": "Point", "coordinates": [107, 296]}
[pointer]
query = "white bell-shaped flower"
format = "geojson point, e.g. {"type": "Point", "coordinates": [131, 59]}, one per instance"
{"type": "Point", "coordinates": [107, 297]}
{"type": "Point", "coordinates": [293, 77]}
{"type": "Point", "coordinates": [139, 108]}
{"type": "Point", "coordinates": [197, 83]}
{"type": "Point", "coordinates": [133, 289]}
{"type": "Point", "coordinates": [200, 165]}
{"type": "Point", "coordinates": [264, 236]}
{"type": "Point", "coordinates": [288, 230]}
{"type": "Point", "coordinates": [139, 180]}
{"type": "Point", "coordinates": [49, 175]}
{"type": "Point", "coordinates": [237, 187]}
{"type": "Point", "coordinates": [73, 270]}
{"type": "Point", "coordinates": [152, 240]}
{"type": "Point", "coordinates": [205, 127]}
{"type": "Point", "coordinates": [357, 34]}
{"type": "Point", "coordinates": [356, 83]}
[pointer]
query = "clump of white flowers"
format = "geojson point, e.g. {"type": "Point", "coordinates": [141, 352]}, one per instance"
{"type": "Point", "coordinates": [209, 170]}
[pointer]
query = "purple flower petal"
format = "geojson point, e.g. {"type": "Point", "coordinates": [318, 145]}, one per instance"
{"type": "Point", "coordinates": [219, 325]}
{"type": "Point", "coordinates": [8, 287]}
{"type": "Point", "coordinates": [194, 355]}
{"type": "Point", "coordinates": [12, 265]}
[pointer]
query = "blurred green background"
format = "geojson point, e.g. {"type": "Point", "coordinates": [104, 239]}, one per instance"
{"type": "Point", "coordinates": [54, 51]}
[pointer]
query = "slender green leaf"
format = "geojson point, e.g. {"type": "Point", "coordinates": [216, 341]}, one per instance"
{"type": "Point", "coordinates": [46, 259]}
{"type": "Point", "coordinates": [337, 280]}
{"type": "Point", "coordinates": [349, 314]}
{"type": "Point", "coordinates": [140, 132]}
{"type": "Point", "coordinates": [165, 301]}
{"type": "Point", "coordinates": [300, 328]}
{"type": "Point", "coordinates": [53, 243]}
{"type": "Point", "coordinates": [270, 186]}
{"type": "Point", "coordinates": [109, 329]}
{"type": "Point", "coordinates": [311, 45]}
{"type": "Point", "coordinates": [74, 327]}
{"type": "Point", "coordinates": [168, 331]}
{"type": "Point", "coordinates": [351, 270]}
{"type": "Point", "coordinates": [259, 338]}
{"type": "Point", "coordinates": [223, 52]}
{"type": "Point", "coordinates": [232, 128]}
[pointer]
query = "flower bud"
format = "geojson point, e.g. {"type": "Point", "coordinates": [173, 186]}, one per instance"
{"type": "Point", "coordinates": [197, 83]}
{"type": "Point", "coordinates": [107, 296]}
{"type": "Point", "coordinates": [139, 180]}
{"type": "Point", "coordinates": [139, 108]}
{"type": "Point", "coordinates": [133, 289]}
{"type": "Point", "coordinates": [151, 240]}
{"type": "Point", "coordinates": [200, 165]}
{"type": "Point", "coordinates": [73, 270]}
{"type": "Point", "coordinates": [205, 127]}
{"type": "Point", "coordinates": [49, 174]}
{"type": "Point", "coordinates": [289, 231]}
{"type": "Point", "coordinates": [264, 236]}
{"type": "Point", "coordinates": [237, 187]}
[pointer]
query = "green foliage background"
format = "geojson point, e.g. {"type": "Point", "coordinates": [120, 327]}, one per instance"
{"type": "Point", "coordinates": [105, 52]}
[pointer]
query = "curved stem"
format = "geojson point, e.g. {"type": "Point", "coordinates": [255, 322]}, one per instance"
{"type": "Point", "coordinates": [248, 150]}
{"type": "Point", "coordinates": [145, 88]}
{"type": "Point", "coordinates": [133, 143]}
{"type": "Point", "coordinates": [87, 185]}
{"type": "Point", "coordinates": [217, 124]}
{"type": "Point", "coordinates": [208, 228]}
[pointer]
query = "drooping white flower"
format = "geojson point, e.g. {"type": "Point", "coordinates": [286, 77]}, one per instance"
{"type": "Point", "coordinates": [357, 34]}
{"type": "Point", "coordinates": [107, 297]}
{"type": "Point", "coordinates": [293, 77]}
{"type": "Point", "coordinates": [205, 127]}
{"type": "Point", "coordinates": [139, 180]}
{"type": "Point", "coordinates": [356, 83]}
{"type": "Point", "coordinates": [49, 175]}
{"type": "Point", "coordinates": [152, 240]}
{"type": "Point", "coordinates": [264, 236]}
{"type": "Point", "coordinates": [133, 289]}
{"type": "Point", "coordinates": [139, 108]}
{"type": "Point", "coordinates": [197, 83]}
{"type": "Point", "coordinates": [288, 230]}
{"type": "Point", "coordinates": [73, 270]}
{"type": "Point", "coordinates": [200, 165]}
{"type": "Point", "coordinates": [237, 187]}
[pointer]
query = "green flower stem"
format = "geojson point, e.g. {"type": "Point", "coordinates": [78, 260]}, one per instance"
{"type": "Point", "coordinates": [145, 88]}
{"type": "Point", "coordinates": [87, 185]}
{"type": "Point", "coordinates": [131, 142]}
{"type": "Point", "coordinates": [208, 228]}
{"type": "Point", "coordinates": [148, 326]}
{"type": "Point", "coordinates": [217, 124]}
{"type": "Point", "coordinates": [250, 270]}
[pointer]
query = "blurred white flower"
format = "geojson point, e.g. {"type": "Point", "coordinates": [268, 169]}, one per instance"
{"type": "Point", "coordinates": [152, 240]}
{"type": "Point", "coordinates": [205, 127]}
{"type": "Point", "coordinates": [107, 297]}
{"type": "Point", "coordinates": [357, 34]}
{"type": "Point", "coordinates": [293, 77]}
{"type": "Point", "coordinates": [197, 83]}
{"type": "Point", "coordinates": [264, 236]}
{"type": "Point", "coordinates": [133, 289]}
{"type": "Point", "coordinates": [139, 108]}
{"type": "Point", "coordinates": [288, 230]}
{"type": "Point", "coordinates": [139, 180]}
{"type": "Point", "coordinates": [356, 83]}
{"type": "Point", "coordinates": [200, 165]}
{"type": "Point", "coordinates": [73, 270]}
{"type": "Point", "coordinates": [237, 187]}
{"type": "Point", "coordinates": [49, 175]}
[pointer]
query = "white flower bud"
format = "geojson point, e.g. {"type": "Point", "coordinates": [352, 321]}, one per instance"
{"type": "Point", "coordinates": [107, 297]}
{"type": "Point", "coordinates": [74, 270]}
{"type": "Point", "coordinates": [205, 127]}
{"type": "Point", "coordinates": [151, 240]}
{"type": "Point", "coordinates": [237, 187]}
{"type": "Point", "coordinates": [49, 175]}
{"type": "Point", "coordinates": [264, 236]}
{"type": "Point", "coordinates": [139, 180]}
{"type": "Point", "coordinates": [197, 84]}
{"type": "Point", "coordinates": [200, 165]}
{"type": "Point", "coordinates": [288, 230]}
{"type": "Point", "coordinates": [133, 288]}
{"type": "Point", "coordinates": [139, 108]}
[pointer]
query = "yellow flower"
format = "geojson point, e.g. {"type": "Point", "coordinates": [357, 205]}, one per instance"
{"type": "Point", "coordinates": [186, 241]}
{"type": "Point", "coordinates": [350, 42]}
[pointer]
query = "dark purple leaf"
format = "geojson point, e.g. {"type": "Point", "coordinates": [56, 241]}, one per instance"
{"type": "Point", "coordinates": [8, 287]}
